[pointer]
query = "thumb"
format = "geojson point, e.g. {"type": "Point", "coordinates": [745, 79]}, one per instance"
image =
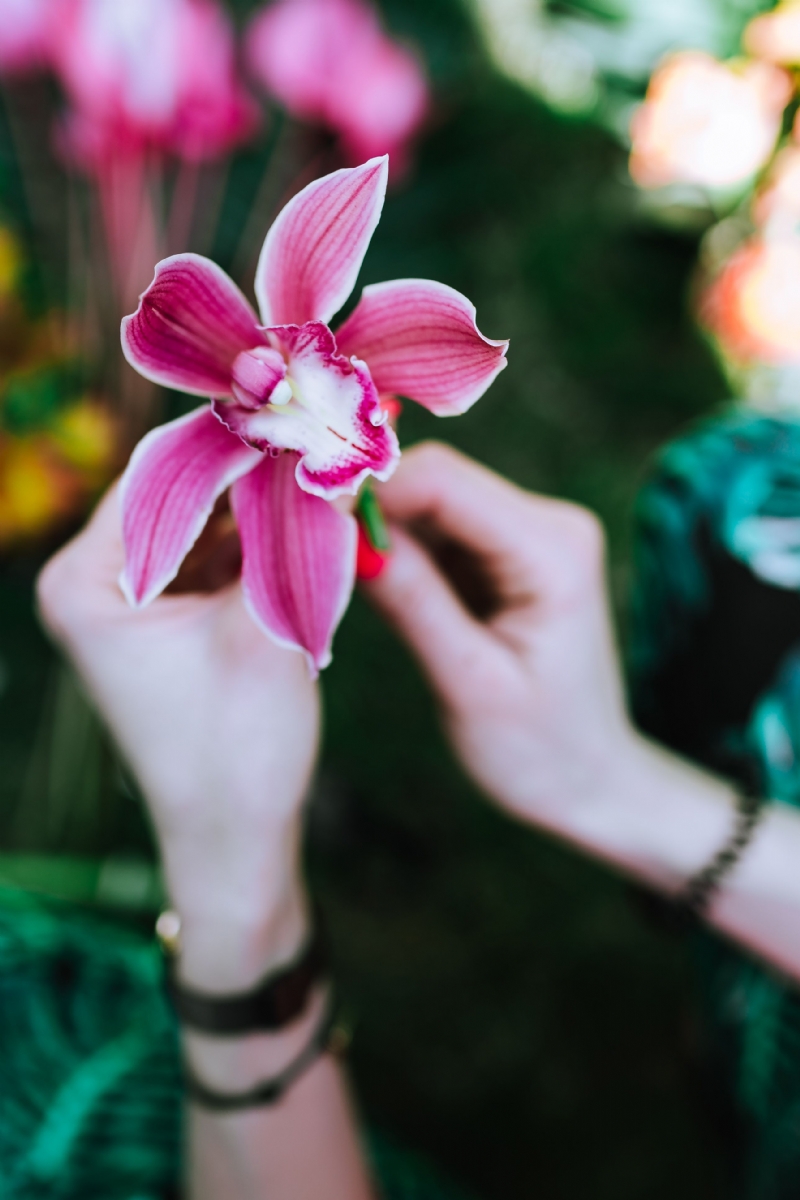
{"type": "Point", "coordinates": [454, 649]}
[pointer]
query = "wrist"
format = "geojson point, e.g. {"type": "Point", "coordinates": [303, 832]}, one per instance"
{"type": "Point", "coordinates": [243, 908]}
{"type": "Point", "coordinates": [652, 814]}
{"type": "Point", "coordinates": [225, 953]}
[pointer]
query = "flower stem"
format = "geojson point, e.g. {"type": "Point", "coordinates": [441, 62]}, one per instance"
{"type": "Point", "coordinates": [371, 518]}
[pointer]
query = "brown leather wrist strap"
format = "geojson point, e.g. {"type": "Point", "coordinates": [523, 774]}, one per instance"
{"type": "Point", "coordinates": [270, 1091]}
{"type": "Point", "coordinates": [271, 1005]}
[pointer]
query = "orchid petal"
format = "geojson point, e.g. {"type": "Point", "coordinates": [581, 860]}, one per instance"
{"type": "Point", "coordinates": [168, 490]}
{"type": "Point", "coordinates": [420, 340]}
{"type": "Point", "coordinates": [312, 254]}
{"type": "Point", "coordinates": [190, 325]}
{"type": "Point", "coordinates": [335, 421]}
{"type": "Point", "coordinates": [299, 558]}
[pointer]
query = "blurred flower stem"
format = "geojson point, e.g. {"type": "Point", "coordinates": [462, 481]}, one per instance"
{"type": "Point", "coordinates": [182, 209]}
{"type": "Point", "coordinates": [128, 185]}
{"type": "Point", "coordinates": [67, 797]}
{"type": "Point", "coordinates": [371, 518]}
{"type": "Point", "coordinates": [286, 155]}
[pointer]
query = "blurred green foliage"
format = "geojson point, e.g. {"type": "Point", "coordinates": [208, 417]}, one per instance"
{"type": "Point", "coordinates": [516, 1018]}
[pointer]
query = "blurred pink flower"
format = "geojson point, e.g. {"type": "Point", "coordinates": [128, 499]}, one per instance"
{"type": "Point", "coordinates": [296, 417]}
{"type": "Point", "coordinates": [775, 36]}
{"type": "Point", "coordinates": [24, 34]}
{"type": "Point", "coordinates": [705, 122]}
{"type": "Point", "coordinates": [330, 61]}
{"type": "Point", "coordinates": [753, 304]}
{"type": "Point", "coordinates": [158, 73]}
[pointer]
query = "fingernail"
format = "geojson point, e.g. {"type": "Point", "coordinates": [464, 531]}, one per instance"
{"type": "Point", "coordinates": [369, 561]}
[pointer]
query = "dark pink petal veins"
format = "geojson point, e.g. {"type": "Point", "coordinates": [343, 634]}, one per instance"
{"type": "Point", "coordinates": [299, 558]}
{"type": "Point", "coordinates": [167, 493]}
{"type": "Point", "coordinates": [312, 254]}
{"type": "Point", "coordinates": [334, 421]}
{"type": "Point", "coordinates": [190, 325]}
{"type": "Point", "coordinates": [420, 340]}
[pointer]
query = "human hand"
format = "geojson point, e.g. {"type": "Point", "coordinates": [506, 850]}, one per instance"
{"type": "Point", "coordinates": [528, 680]}
{"type": "Point", "coordinates": [530, 690]}
{"type": "Point", "coordinates": [220, 727]}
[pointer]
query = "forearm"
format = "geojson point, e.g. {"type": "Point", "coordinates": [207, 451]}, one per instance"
{"type": "Point", "coordinates": [660, 820]}
{"type": "Point", "coordinates": [306, 1145]}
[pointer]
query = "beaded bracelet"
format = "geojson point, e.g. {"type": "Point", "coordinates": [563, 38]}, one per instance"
{"type": "Point", "coordinates": [680, 913]}
{"type": "Point", "coordinates": [701, 887]}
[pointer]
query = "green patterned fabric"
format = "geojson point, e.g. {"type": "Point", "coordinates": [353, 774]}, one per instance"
{"type": "Point", "coordinates": [715, 669]}
{"type": "Point", "coordinates": [89, 1103]}
{"type": "Point", "coordinates": [90, 1086]}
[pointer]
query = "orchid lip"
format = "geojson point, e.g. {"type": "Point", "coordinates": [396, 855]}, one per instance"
{"type": "Point", "coordinates": [325, 408]}
{"type": "Point", "coordinates": [331, 415]}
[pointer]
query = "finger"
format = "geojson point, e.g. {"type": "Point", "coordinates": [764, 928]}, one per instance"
{"type": "Point", "coordinates": [83, 574]}
{"type": "Point", "coordinates": [455, 650]}
{"type": "Point", "coordinates": [531, 544]}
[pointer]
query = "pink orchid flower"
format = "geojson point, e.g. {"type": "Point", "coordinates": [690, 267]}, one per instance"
{"type": "Point", "coordinates": [156, 73]}
{"type": "Point", "coordinates": [295, 418]}
{"type": "Point", "coordinates": [24, 34]}
{"type": "Point", "coordinates": [330, 61]}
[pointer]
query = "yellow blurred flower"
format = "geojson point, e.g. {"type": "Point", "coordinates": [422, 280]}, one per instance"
{"type": "Point", "coordinates": [85, 435]}
{"type": "Point", "coordinates": [49, 476]}
{"type": "Point", "coordinates": [775, 36]}
{"type": "Point", "coordinates": [35, 490]}
{"type": "Point", "coordinates": [10, 263]}
{"type": "Point", "coordinates": [707, 123]}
